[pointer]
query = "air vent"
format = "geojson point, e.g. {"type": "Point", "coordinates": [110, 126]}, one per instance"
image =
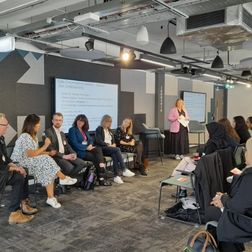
{"type": "Point", "coordinates": [206, 19]}
{"type": "Point", "coordinates": [246, 18]}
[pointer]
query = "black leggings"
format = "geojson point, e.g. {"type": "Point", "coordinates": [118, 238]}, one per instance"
{"type": "Point", "coordinates": [96, 157]}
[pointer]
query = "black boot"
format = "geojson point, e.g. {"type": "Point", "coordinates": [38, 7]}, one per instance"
{"type": "Point", "coordinates": [142, 170]}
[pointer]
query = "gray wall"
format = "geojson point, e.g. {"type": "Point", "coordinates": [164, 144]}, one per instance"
{"type": "Point", "coordinates": [27, 79]}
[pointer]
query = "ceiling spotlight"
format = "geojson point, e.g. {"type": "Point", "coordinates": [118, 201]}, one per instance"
{"type": "Point", "coordinates": [127, 56]}
{"type": "Point", "coordinates": [90, 45]}
{"type": "Point", "coordinates": [168, 46]}
{"type": "Point", "coordinates": [217, 62]}
{"type": "Point", "coordinates": [142, 37]}
{"type": "Point", "coordinates": [246, 73]}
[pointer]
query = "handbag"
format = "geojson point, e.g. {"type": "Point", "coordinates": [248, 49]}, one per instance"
{"type": "Point", "coordinates": [202, 241]}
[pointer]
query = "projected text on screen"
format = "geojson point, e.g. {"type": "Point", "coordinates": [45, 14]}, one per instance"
{"type": "Point", "coordinates": [89, 98]}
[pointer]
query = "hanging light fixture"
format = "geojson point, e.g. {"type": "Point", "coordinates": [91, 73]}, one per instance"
{"type": "Point", "coordinates": [217, 62]}
{"type": "Point", "coordinates": [246, 73]}
{"type": "Point", "coordinates": [90, 45]}
{"type": "Point", "coordinates": [168, 46]}
{"type": "Point", "coordinates": [142, 36]}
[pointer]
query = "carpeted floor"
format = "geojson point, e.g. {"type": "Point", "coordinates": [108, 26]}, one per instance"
{"type": "Point", "coordinates": [117, 218]}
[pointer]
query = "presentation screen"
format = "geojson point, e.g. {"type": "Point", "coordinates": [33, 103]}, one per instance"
{"type": "Point", "coordinates": [195, 104]}
{"type": "Point", "coordinates": [90, 98]}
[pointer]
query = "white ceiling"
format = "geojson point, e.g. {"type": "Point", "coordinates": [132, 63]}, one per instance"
{"type": "Point", "coordinates": [121, 23]}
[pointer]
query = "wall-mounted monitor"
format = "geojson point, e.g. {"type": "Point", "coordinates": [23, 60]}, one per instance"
{"type": "Point", "coordinates": [195, 104]}
{"type": "Point", "coordinates": [93, 99]}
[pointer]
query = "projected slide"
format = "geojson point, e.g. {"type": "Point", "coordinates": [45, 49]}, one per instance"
{"type": "Point", "coordinates": [196, 105]}
{"type": "Point", "coordinates": [89, 98]}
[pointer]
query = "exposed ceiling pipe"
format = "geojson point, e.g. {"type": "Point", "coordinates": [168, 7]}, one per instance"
{"type": "Point", "coordinates": [164, 57]}
{"type": "Point", "coordinates": [171, 9]}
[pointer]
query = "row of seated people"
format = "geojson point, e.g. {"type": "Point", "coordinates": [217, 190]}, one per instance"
{"type": "Point", "coordinates": [56, 158]}
{"type": "Point", "coordinates": [232, 209]}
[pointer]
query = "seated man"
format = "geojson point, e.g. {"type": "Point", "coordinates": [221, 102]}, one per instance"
{"type": "Point", "coordinates": [11, 174]}
{"type": "Point", "coordinates": [64, 156]}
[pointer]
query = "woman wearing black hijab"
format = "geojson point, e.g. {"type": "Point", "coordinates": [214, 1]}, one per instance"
{"type": "Point", "coordinates": [241, 129]}
{"type": "Point", "coordinates": [218, 138]}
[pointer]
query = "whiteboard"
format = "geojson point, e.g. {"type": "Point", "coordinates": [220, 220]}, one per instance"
{"type": "Point", "coordinates": [195, 104]}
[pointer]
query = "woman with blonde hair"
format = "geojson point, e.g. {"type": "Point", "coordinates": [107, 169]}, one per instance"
{"type": "Point", "coordinates": [125, 140]}
{"type": "Point", "coordinates": [105, 139]}
{"type": "Point", "coordinates": [179, 120]}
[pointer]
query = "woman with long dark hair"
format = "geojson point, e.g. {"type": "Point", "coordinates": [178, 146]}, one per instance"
{"type": "Point", "coordinates": [82, 143]}
{"type": "Point", "coordinates": [37, 160]}
{"type": "Point", "coordinates": [241, 128]}
{"type": "Point", "coordinates": [233, 138]}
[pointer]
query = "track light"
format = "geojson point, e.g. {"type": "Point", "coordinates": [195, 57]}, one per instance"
{"type": "Point", "coordinates": [217, 62]}
{"type": "Point", "coordinates": [142, 37]}
{"type": "Point", "coordinates": [90, 45]}
{"type": "Point", "coordinates": [168, 46]}
{"type": "Point", "coordinates": [246, 73]}
{"type": "Point", "coordinates": [127, 56]}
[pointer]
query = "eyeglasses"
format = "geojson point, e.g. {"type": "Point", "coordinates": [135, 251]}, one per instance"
{"type": "Point", "coordinates": [5, 125]}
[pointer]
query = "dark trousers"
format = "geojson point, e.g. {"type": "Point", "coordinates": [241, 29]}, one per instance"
{"type": "Point", "coordinates": [96, 157]}
{"type": "Point", "coordinates": [139, 153]}
{"type": "Point", "coordinates": [20, 190]}
{"type": "Point", "coordinates": [213, 213]}
{"type": "Point", "coordinates": [116, 155]}
{"type": "Point", "coordinates": [70, 167]}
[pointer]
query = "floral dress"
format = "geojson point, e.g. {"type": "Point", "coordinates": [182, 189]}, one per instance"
{"type": "Point", "coordinates": [43, 167]}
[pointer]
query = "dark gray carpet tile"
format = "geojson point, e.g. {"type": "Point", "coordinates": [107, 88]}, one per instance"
{"type": "Point", "coordinates": [119, 218]}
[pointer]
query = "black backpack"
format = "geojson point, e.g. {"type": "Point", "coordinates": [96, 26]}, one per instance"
{"type": "Point", "coordinates": [89, 178]}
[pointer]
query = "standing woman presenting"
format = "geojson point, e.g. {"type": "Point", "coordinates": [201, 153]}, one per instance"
{"type": "Point", "coordinates": [179, 120]}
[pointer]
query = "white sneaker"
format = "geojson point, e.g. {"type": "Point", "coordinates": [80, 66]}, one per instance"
{"type": "Point", "coordinates": [53, 202]}
{"type": "Point", "coordinates": [181, 156]}
{"type": "Point", "coordinates": [118, 180]}
{"type": "Point", "coordinates": [128, 173]}
{"type": "Point", "coordinates": [177, 157]}
{"type": "Point", "coordinates": [68, 181]}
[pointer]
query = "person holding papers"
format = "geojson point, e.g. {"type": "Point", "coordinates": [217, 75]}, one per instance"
{"type": "Point", "coordinates": [179, 120]}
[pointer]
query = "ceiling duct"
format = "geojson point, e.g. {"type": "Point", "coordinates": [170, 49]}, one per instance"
{"type": "Point", "coordinates": [223, 29]}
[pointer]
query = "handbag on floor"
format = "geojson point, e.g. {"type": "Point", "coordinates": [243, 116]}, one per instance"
{"type": "Point", "coordinates": [202, 241]}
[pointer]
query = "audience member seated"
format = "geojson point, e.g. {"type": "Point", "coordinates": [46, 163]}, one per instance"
{"type": "Point", "coordinates": [65, 156]}
{"type": "Point", "coordinates": [241, 128]}
{"type": "Point", "coordinates": [105, 139]}
{"type": "Point", "coordinates": [125, 140]}
{"type": "Point", "coordinates": [233, 138]}
{"type": "Point", "coordinates": [234, 211]}
{"type": "Point", "coordinates": [82, 143]}
{"type": "Point", "coordinates": [11, 174]}
{"type": "Point", "coordinates": [38, 162]}
{"type": "Point", "coordinates": [217, 140]}
{"type": "Point", "coordinates": [249, 124]}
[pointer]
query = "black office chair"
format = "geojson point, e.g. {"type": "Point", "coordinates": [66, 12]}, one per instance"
{"type": "Point", "coordinates": [155, 134]}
